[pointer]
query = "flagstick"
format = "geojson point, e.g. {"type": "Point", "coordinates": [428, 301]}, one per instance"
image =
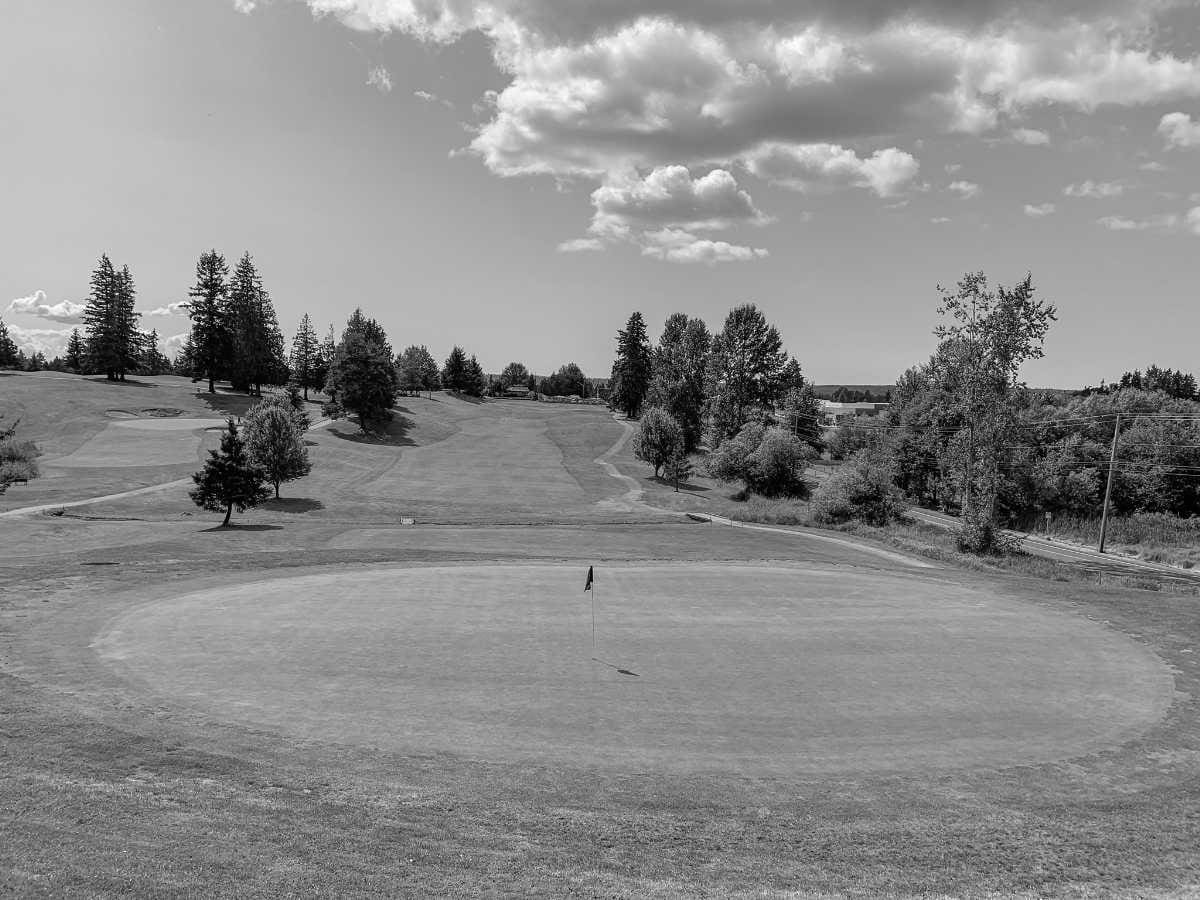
{"type": "Point", "coordinates": [593, 593]}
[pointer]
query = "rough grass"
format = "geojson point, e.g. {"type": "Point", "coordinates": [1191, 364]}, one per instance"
{"type": "Point", "coordinates": [1156, 537]}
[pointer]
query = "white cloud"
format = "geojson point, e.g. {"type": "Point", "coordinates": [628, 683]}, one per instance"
{"type": "Point", "coordinates": [49, 341]}
{"type": "Point", "coordinates": [600, 86]}
{"type": "Point", "coordinates": [965, 189]}
{"type": "Point", "coordinates": [660, 211]}
{"type": "Point", "coordinates": [175, 308]}
{"type": "Point", "coordinates": [806, 167]}
{"type": "Point", "coordinates": [245, 6]}
{"type": "Point", "coordinates": [428, 97]}
{"type": "Point", "coordinates": [580, 245]}
{"type": "Point", "coordinates": [1040, 210]}
{"type": "Point", "coordinates": [1179, 131]}
{"type": "Point", "coordinates": [940, 220]}
{"type": "Point", "coordinates": [951, 168]}
{"type": "Point", "coordinates": [35, 305]}
{"type": "Point", "coordinates": [1166, 222]}
{"type": "Point", "coordinates": [1031, 137]}
{"type": "Point", "coordinates": [1193, 220]}
{"type": "Point", "coordinates": [1152, 166]}
{"type": "Point", "coordinates": [674, 245]}
{"type": "Point", "coordinates": [1096, 190]}
{"type": "Point", "coordinates": [172, 345]}
{"type": "Point", "coordinates": [380, 79]}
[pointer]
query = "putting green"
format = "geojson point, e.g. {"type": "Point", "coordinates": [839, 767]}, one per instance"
{"type": "Point", "coordinates": [141, 442]}
{"type": "Point", "coordinates": [751, 670]}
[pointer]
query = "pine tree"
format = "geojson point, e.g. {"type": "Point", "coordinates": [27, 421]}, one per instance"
{"type": "Point", "coordinates": [75, 352]}
{"type": "Point", "coordinates": [362, 377]}
{"type": "Point", "coordinates": [632, 367]}
{"type": "Point", "coordinates": [229, 479]}
{"type": "Point", "coordinates": [113, 341]}
{"type": "Point", "coordinates": [275, 441]}
{"type": "Point", "coordinates": [153, 361]}
{"type": "Point", "coordinates": [324, 359]}
{"type": "Point", "coordinates": [475, 381]}
{"type": "Point", "coordinates": [304, 356]}
{"type": "Point", "coordinates": [209, 311]}
{"type": "Point", "coordinates": [417, 369]}
{"type": "Point", "coordinates": [454, 372]}
{"type": "Point", "coordinates": [8, 347]}
{"type": "Point", "coordinates": [258, 356]}
{"type": "Point", "coordinates": [185, 360]}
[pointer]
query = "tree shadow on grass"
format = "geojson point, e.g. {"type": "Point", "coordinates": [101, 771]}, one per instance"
{"type": "Point", "coordinates": [292, 504]}
{"type": "Point", "coordinates": [237, 526]}
{"type": "Point", "coordinates": [395, 434]}
{"type": "Point", "coordinates": [229, 404]}
{"type": "Point", "coordinates": [128, 382]}
{"type": "Point", "coordinates": [687, 486]}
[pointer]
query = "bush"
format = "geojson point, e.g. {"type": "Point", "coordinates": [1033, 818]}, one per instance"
{"type": "Point", "coordinates": [861, 490]}
{"type": "Point", "coordinates": [659, 438]}
{"type": "Point", "coordinates": [768, 461]}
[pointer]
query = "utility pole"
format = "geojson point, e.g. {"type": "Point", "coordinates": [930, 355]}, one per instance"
{"type": "Point", "coordinates": [1112, 461]}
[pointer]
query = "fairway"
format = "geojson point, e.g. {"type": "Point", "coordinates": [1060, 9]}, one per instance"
{"type": "Point", "coordinates": [757, 671]}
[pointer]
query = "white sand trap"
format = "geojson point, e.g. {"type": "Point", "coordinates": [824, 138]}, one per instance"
{"type": "Point", "coordinates": [141, 442]}
{"type": "Point", "coordinates": [746, 669]}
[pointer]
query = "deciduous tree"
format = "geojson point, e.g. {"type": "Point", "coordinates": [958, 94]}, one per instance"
{"type": "Point", "coordinates": [275, 440]}
{"type": "Point", "coordinates": [658, 439]}
{"type": "Point", "coordinates": [744, 370]}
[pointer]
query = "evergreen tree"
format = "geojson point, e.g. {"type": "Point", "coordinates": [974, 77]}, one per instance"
{"type": "Point", "coordinates": [9, 353]}
{"type": "Point", "coordinates": [744, 371]}
{"type": "Point", "coordinates": [209, 312]}
{"type": "Point", "coordinates": [153, 361]}
{"type": "Point", "coordinates": [258, 356]}
{"type": "Point", "coordinates": [454, 372]}
{"type": "Point", "coordinates": [185, 360]}
{"type": "Point", "coordinates": [274, 432]}
{"type": "Point", "coordinates": [75, 352]}
{"type": "Point", "coordinates": [305, 348]}
{"type": "Point", "coordinates": [324, 359]}
{"type": "Point", "coordinates": [632, 368]}
{"type": "Point", "coordinates": [413, 366]}
{"type": "Point", "coordinates": [362, 377]}
{"type": "Point", "coordinates": [475, 381]}
{"type": "Point", "coordinates": [113, 341]}
{"type": "Point", "coordinates": [229, 479]}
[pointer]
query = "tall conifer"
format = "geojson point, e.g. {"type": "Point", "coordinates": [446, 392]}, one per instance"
{"type": "Point", "coordinates": [209, 311]}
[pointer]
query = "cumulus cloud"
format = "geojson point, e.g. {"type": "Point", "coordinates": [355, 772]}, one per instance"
{"type": "Point", "coordinates": [51, 342]}
{"type": "Point", "coordinates": [660, 211]}
{"type": "Point", "coordinates": [677, 246]}
{"type": "Point", "coordinates": [176, 308]}
{"type": "Point", "coordinates": [1096, 190]}
{"type": "Point", "coordinates": [807, 167]}
{"type": "Point", "coordinates": [172, 345]}
{"type": "Point", "coordinates": [1152, 166]}
{"type": "Point", "coordinates": [1179, 131]}
{"type": "Point", "coordinates": [1031, 137]}
{"type": "Point", "coordinates": [940, 220]}
{"type": "Point", "coordinates": [601, 86]}
{"type": "Point", "coordinates": [965, 189]}
{"type": "Point", "coordinates": [35, 305]}
{"type": "Point", "coordinates": [1040, 210]}
{"type": "Point", "coordinates": [380, 79]}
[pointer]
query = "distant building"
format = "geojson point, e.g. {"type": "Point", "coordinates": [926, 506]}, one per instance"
{"type": "Point", "coordinates": [837, 413]}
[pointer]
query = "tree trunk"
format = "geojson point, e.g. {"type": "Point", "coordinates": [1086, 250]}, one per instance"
{"type": "Point", "coordinates": [277, 490]}
{"type": "Point", "coordinates": [228, 513]}
{"type": "Point", "coordinates": [211, 387]}
{"type": "Point", "coordinates": [306, 393]}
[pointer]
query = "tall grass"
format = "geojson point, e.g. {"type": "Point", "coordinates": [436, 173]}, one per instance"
{"type": "Point", "coordinates": [1156, 537]}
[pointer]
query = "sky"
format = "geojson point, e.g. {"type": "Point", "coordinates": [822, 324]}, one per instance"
{"type": "Point", "coordinates": [518, 176]}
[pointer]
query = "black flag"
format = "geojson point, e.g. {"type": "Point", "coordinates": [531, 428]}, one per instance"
{"type": "Point", "coordinates": [588, 584]}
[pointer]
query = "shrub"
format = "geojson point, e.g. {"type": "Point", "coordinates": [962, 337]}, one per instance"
{"type": "Point", "coordinates": [861, 490]}
{"type": "Point", "coordinates": [768, 461]}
